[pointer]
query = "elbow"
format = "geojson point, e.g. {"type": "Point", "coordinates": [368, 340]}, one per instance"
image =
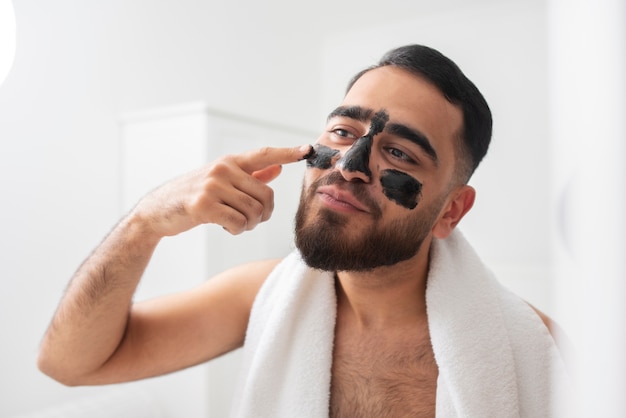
{"type": "Point", "coordinates": [56, 370]}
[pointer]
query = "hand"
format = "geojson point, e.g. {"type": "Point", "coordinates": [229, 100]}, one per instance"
{"type": "Point", "coordinates": [231, 192]}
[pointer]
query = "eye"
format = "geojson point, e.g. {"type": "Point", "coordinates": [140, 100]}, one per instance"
{"type": "Point", "coordinates": [343, 133]}
{"type": "Point", "coordinates": [342, 136]}
{"type": "Point", "coordinates": [400, 155]}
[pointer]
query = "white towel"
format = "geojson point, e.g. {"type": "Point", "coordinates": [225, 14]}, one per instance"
{"type": "Point", "coordinates": [287, 355]}
{"type": "Point", "coordinates": [494, 354]}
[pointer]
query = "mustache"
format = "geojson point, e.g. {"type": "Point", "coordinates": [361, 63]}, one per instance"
{"type": "Point", "coordinates": [358, 189]}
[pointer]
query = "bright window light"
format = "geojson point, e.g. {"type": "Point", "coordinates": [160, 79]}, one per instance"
{"type": "Point", "coordinates": [7, 38]}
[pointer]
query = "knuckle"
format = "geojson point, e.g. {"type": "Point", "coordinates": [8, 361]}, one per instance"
{"type": "Point", "coordinates": [256, 207]}
{"type": "Point", "coordinates": [209, 186]}
{"type": "Point", "coordinates": [218, 169]}
{"type": "Point", "coordinates": [268, 207]}
{"type": "Point", "coordinates": [265, 151]}
{"type": "Point", "coordinates": [237, 223]}
{"type": "Point", "coordinates": [268, 213]}
{"type": "Point", "coordinates": [268, 195]}
{"type": "Point", "coordinates": [265, 195]}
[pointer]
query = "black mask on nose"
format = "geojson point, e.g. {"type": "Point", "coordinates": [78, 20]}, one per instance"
{"type": "Point", "coordinates": [357, 158]}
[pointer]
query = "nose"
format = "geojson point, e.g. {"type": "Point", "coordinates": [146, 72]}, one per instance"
{"type": "Point", "coordinates": [354, 165]}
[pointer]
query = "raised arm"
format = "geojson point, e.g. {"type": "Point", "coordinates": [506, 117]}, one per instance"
{"type": "Point", "coordinates": [98, 335]}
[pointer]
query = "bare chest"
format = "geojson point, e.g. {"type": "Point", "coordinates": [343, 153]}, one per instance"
{"type": "Point", "coordinates": [382, 377]}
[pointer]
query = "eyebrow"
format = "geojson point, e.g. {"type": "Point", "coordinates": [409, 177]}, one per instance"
{"type": "Point", "coordinates": [359, 113]}
{"type": "Point", "coordinates": [363, 114]}
{"type": "Point", "coordinates": [415, 137]}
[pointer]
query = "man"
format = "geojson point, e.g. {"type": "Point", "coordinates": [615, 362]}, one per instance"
{"type": "Point", "coordinates": [385, 187]}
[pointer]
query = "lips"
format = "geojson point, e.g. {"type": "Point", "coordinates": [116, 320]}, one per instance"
{"type": "Point", "coordinates": [338, 198]}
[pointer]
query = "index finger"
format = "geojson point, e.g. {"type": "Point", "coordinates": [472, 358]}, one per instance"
{"type": "Point", "coordinates": [264, 157]}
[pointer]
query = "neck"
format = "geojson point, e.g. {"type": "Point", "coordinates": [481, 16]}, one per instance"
{"type": "Point", "coordinates": [387, 296]}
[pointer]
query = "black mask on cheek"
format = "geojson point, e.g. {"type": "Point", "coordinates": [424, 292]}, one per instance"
{"type": "Point", "coordinates": [321, 157]}
{"type": "Point", "coordinates": [401, 188]}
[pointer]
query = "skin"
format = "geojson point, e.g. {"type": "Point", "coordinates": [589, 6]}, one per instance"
{"type": "Point", "coordinates": [98, 335]}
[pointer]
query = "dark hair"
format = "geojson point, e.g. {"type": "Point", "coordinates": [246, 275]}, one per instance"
{"type": "Point", "coordinates": [444, 74]}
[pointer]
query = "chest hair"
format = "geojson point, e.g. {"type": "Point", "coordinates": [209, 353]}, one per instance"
{"type": "Point", "coordinates": [383, 376]}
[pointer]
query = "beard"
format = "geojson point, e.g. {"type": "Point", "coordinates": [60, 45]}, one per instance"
{"type": "Point", "coordinates": [326, 242]}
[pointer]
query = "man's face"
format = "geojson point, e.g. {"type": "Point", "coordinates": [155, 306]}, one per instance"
{"type": "Point", "coordinates": [381, 175]}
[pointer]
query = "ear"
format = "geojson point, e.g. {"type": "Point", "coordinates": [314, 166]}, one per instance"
{"type": "Point", "coordinates": [459, 203]}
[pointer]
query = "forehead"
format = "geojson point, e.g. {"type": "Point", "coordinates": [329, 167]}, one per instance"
{"type": "Point", "coordinates": [411, 100]}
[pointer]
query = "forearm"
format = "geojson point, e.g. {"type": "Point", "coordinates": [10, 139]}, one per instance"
{"type": "Point", "coordinates": [94, 339]}
{"type": "Point", "coordinates": [90, 322]}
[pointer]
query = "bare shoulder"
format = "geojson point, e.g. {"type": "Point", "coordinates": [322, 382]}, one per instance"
{"type": "Point", "coordinates": [557, 333]}
{"type": "Point", "coordinates": [229, 294]}
{"type": "Point", "coordinates": [547, 321]}
{"type": "Point", "coordinates": [241, 282]}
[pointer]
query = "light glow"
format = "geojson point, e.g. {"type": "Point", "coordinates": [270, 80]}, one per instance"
{"type": "Point", "coordinates": [7, 38]}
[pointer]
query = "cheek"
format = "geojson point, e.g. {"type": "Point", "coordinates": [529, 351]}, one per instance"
{"type": "Point", "coordinates": [401, 188]}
